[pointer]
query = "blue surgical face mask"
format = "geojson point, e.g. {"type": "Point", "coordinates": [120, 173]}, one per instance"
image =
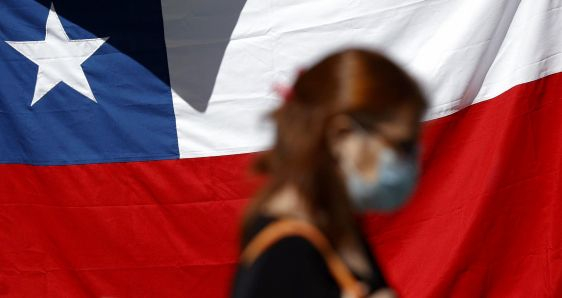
{"type": "Point", "coordinates": [397, 178]}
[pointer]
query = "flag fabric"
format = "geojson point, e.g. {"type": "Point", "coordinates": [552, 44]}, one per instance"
{"type": "Point", "coordinates": [126, 129]}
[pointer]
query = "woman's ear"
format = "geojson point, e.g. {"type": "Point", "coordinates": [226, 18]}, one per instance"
{"type": "Point", "coordinates": [338, 128]}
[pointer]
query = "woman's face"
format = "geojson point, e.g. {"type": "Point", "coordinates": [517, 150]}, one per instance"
{"type": "Point", "coordinates": [360, 148]}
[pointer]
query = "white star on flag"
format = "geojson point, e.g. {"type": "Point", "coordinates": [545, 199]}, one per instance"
{"type": "Point", "coordinates": [59, 58]}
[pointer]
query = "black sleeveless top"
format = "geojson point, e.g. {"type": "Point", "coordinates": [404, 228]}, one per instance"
{"type": "Point", "coordinates": [292, 267]}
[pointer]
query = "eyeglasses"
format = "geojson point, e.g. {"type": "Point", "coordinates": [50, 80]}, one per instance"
{"type": "Point", "coordinates": [407, 147]}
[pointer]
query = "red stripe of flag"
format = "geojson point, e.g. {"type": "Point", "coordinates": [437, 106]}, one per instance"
{"type": "Point", "coordinates": [486, 220]}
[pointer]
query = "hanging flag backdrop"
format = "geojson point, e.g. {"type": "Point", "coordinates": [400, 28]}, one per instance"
{"type": "Point", "coordinates": [126, 129]}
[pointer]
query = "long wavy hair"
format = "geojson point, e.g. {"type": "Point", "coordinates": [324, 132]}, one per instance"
{"type": "Point", "coordinates": [355, 81]}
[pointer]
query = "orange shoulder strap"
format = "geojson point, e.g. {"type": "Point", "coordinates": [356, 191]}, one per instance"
{"type": "Point", "coordinates": [294, 227]}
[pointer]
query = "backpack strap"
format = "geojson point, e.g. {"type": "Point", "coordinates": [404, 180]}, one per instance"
{"type": "Point", "coordinates": [282, 228]}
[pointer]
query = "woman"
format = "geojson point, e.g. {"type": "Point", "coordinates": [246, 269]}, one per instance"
{"type": "Point", "coordinates": [346, 141]}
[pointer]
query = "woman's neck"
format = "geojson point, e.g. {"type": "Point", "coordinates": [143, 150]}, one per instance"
{"type": "Point", "coordinates": [287, 203]}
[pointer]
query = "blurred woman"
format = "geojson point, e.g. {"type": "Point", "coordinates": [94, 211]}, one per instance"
{"type": "Point", "coordinates": [346, 142]}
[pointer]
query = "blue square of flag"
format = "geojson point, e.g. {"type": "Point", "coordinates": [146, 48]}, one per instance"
{"type": "Point", "coordinates": [84, 82]}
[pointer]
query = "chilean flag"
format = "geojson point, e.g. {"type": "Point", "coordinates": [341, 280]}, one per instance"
{"type": "Point", "coordinates": [126, 129]}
